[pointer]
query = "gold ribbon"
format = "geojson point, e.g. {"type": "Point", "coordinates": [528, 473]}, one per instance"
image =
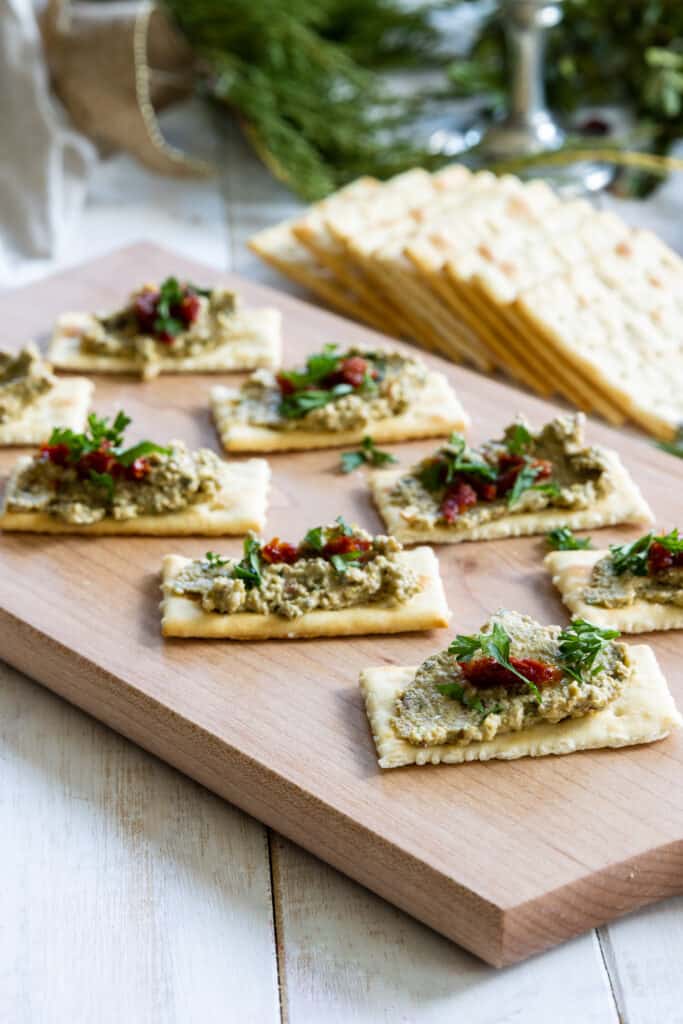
{"type": "Point", "coordinates": [651, 162]}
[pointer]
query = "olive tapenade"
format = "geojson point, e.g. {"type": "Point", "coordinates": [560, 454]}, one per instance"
{"type": "Point", "coordinates": [84, 478]}
{"type": "Point", "coordinates": [333, 567]}
{"type": "Point", "coordinates": [512, 675]}
{"type": "Point", "coordinates": [24, 378]}
{"type": "Point", "coordinates": [335, 391]}
{"type": "Point", "coordinates": [172, 321]}
{"type": "Point", "coordinates": [648, 569]}
{"type": "Point", "coordinates": [463, 487]}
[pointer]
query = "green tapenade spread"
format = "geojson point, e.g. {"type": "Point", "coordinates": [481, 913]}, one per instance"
{"type": "Point", "coordinates": [649, 569]}
{"type": "Point", "coordinates": [523, 472]}
{"type": "Point", "coordinates": [24, 378]}
{"type": "Point", "coordinates": [333, 567]}
{"type": "Point", "coordinates": [335, 391]}
{"type": "Point", "coordinates": [173, 321]}
{"type": "Point", "coordinates": [83, 478]}
{"type": "Point", "coordinates": [514, 674]}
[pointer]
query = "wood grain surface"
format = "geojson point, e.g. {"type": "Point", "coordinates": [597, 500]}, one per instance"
{"type": "Point", "coordinates": [505, 859]}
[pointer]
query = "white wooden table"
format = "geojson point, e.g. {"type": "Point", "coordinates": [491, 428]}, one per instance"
{"type": "Point", "coordinates": [130, 894]}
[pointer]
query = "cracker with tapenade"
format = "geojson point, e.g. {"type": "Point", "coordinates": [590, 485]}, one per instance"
{"type": "Point", "coordinates": [91, 483]}
{"type": "Point", "coordinates": [33, 401]}
{"type": "Point", "coordinates": [499, 695]}
{"type": "Point", "coordinates": [646, 712]}
{"type": "Point", "coordinates": [524, 484]}
{"type": "Point", "coordinates": [172, 328]}
{"type": "Point", "coordinates": [573, 574]}
{"type": "Point", "coordinates": [336, 399]}
{"type": "Point", "coordinates": [415, 600]}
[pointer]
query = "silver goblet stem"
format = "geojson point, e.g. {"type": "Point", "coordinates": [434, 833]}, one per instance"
{"type": "Point", "coordinates": [528, 127]}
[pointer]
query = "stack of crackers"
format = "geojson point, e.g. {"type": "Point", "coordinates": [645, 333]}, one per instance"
{"type": "Point", "coordinates": [502, 274]}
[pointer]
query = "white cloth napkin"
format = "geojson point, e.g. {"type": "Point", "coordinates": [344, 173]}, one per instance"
{"type": "Point", "coordinates": [44, 165]}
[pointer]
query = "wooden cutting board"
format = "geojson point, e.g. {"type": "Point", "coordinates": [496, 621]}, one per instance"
{"type": "Point", "coordinates": [504, 858]}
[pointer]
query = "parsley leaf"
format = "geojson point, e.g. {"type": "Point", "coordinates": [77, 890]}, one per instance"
{"type": "Point", "coordinates": [295, 406]}
{"type": "Point", "coordinates": [314, 538]}
{"type": "Point", "coordinates": [671, 541]}
{"type": "Point", "coordinates": [103, 480]}
{"type": "Point", "coordinates": [580, 646]}
{"type": "Point", "coordinates": [523, 481]}
{"type": "Point", "coordinates": [214, 561]}
{"type": "Point", "coordinates": [170, 294]}
{"type": "Point", "coordinates": [367, 453]}
{"type": "Point", "coordinates": [517, 439]}
{"type": "Point", "coordinates": [128, 457]}
{"type": "Point", "coordinates": [563, 539]}
{"type": "Point", "coordinates": [342, 562]}
{"type": "Point", "coordinates": [495, 645]}
{"type": "Point", "coordinates": [464, 647]}
{"type": "Point", "coordinates": [344, 528]}
{"type": "Point", "coordinates": [99, 430]}
{"type": "Point", "coordinates": [631, 557]}
{"type": "Point", "coordinates": [674, 447]}
{"type": "Point", "coordinates": [318, 366]}
{"type": "Point", "coordinates": [457, 692]}
{"type": "Point", "coordinates": [455, 457]}
{"type": "Point", "coordinates": [249, 569]}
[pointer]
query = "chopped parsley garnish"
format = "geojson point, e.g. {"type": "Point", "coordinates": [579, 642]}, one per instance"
{"type": "Point", "coordinates": [457, 692]}
{"type": "Point", "coordinates": [299, 403]}
{"type": "Point", "coordinates": [450, 460]}
{"type": "Point", "coordinates": [103, 435]}
{"type": "Point", "coordinates": [344, 528]}
{"type": "Point", "coordinates": [367, 453]}
{"type": "Point", "coordinates": [249, 569]}
{"type": "Point", "coordinates": [327, 376]}
{"type": "Point", "coordinates": [517, 439]}
{"type": "Point", "coordinates": [580, 646]}
{"type": "Point", "coordinates": [105, 481]}
{"type": "Point", "coordinates": [495, 645]}
{"type": "Point", "coordinates": [347, 560]}
{"type": "Point", "coordinates": [633, 558]}
{"type": "Point", "coordinates": [318, 366]}
{"type": "Point", "coordinates": [315, 538]}
{"type": "Point", "coordinates": [526, 481]}
{"type": "Point", "coordinates": [169, 303]}
{"type": "Point", "coordinates": [563, 539]}
{"type": "Point", "coordinates": [214, 561]}
{"type": "Point", "coordinates": [674, 447]}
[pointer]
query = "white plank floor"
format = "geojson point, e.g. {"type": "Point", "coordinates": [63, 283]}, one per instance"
{"type": "Point", "coordinates": [131, 894]}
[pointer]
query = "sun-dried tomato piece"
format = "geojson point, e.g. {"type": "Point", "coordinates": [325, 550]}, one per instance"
{"type": "Point", "coordinates": [57, 453]}
{"type": "Point", "coordinates": [343, 545]}
{"type": "Point", "coordinates": [486, 490]}
{"type": "Point", "coordinates": [510, 466]}
{"type": "Point", "coordinates": [145, 308]}
{"type": "Point", "coordinates": [460, 495]}
{"type": "Point", "coordinates": [100, 461]}
{"type": "Point", "coordinates": [285, 385]}
{"type": "Point", "coordinates": [188, 309]}
{"type": "Point", "coordinates": [486, 673]}
{"type": "Point", "coordinates": [137, 470]}
{"type": "Point", "coordinates": [277, 550]}
{"type": "Point", "coordinates": [659, 558]}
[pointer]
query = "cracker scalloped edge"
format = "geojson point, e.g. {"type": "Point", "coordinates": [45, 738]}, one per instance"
{"type": "Point", "coordinates": [644, 712]}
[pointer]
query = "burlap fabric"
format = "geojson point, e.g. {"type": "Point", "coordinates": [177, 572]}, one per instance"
{"type": "Point", "coordinates": [113, 66]}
